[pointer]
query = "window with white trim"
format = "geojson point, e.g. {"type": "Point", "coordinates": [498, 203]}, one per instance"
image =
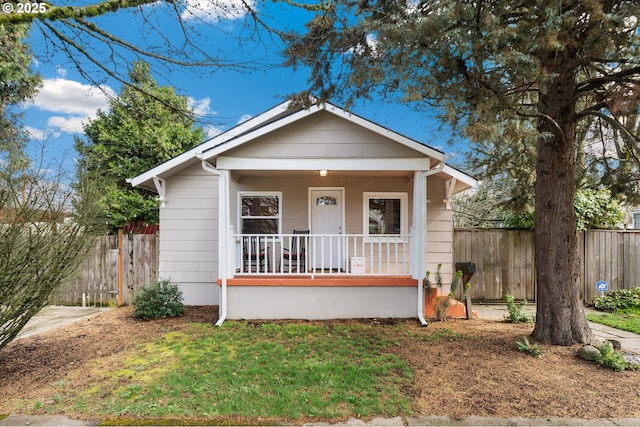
{"type": "Point", "coordinates": [636, 220]}
{"type": "Point", "coordinates": [385, 214]}
{"type": "Point", "coordinates": [260, 212]}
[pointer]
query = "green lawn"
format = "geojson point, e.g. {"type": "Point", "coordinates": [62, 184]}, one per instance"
{"type": "Point", "coordinates": [627, 321]}
{"type": "Point", "coordinates": [274, 371]}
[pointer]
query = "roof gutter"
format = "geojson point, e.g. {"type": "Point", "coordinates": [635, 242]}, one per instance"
{"type": "Point", "coordinates": [422, 185]}
{"type": "Point", "coordinates": [223, 186]}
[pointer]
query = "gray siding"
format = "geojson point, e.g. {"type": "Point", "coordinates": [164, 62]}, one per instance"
{"type": "Point", "coordinates": [323, 135]}
{"type": "Point", "coordinates": [189, 235]}
{"type": "Point", "coordinates": [439, 230]}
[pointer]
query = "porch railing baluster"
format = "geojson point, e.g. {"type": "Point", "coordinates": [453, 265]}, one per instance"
{"type": "Point", "coordinates": [264, 254]}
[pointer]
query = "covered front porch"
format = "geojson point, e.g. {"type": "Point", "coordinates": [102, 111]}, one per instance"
{"type": "Point", "coordinates": [352, 244]}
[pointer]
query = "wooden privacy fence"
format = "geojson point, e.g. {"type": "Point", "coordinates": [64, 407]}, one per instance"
{"type": "Point", "coordinates": [505, 261]}
{"type": "Point", "coordinates": [97, 280]}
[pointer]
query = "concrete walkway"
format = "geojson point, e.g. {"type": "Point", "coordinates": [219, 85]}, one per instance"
{"type": "Point", "coordinates": [54, 316]}
{"type": "Point", "coordinates": [56, 420]}
{"type": "Point", "coordinates": [629, 341]}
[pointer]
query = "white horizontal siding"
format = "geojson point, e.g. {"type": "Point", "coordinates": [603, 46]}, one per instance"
{"type": "Point", "coordinates": [439, 231]}
{"type": "Point", "coordinates": [323, 135]}
{"type": "Point", "coordinates": [189, 235]}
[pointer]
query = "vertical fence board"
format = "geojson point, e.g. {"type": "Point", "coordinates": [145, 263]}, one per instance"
{"type": "Point", "coordinates": [97, 276]}
{"type": "Point", "coordinates": [505, 260]}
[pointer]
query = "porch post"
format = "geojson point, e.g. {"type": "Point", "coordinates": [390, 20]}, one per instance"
{"type": "Point", "coordinates": [419, 237]}
{"type": "Point", "coordinates": [418, 229]}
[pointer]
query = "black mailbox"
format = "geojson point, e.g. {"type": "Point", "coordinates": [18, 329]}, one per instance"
{"type": "Point", "coordinates": [467, 268]}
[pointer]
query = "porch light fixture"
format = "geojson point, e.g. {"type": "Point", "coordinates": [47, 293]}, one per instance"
{"type": "Point", "coordinates": [323, 172]}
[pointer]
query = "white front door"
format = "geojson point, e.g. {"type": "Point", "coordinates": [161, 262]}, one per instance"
{"type": "Point", "coordinates": [327, 220]}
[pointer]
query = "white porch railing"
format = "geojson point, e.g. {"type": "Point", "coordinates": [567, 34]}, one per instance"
{"type": "Point", "coordinates": [321, 254]}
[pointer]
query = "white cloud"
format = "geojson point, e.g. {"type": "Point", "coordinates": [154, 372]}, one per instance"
{"type": "Point", "coordinates": [200, 107]}
{"type": "Point", "coordinates": [244, 118]}
{"type": "Point", "coordinates": [71, 97]}
{"type": "Point", "coordinates": [216, 10]}
{"type": "Point", "coordinates": [61, 71]}
{"type": "Point", "coordinates": [70, 124]}
{"type": "Point", "coordinates": [71, 103]}
{"type": "Point", "coordinates": [372, 44]}
{"type": "Point", "coordinates": [212, 131]}
{"type": "Point", "coordinates": [42, 134]}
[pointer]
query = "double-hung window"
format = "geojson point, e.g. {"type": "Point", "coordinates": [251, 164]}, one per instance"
{"type": "Point", "coordinates": [260, 212]}
{"type": "Point", "coordinates": [385, 214]}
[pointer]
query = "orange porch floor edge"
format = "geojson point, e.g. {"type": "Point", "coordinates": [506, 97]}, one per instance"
{"type": "Point", "coordinates": [320, 280]}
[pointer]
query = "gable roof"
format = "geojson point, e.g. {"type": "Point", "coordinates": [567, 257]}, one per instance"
{"type": "Point", "coordinates": [277, 118]}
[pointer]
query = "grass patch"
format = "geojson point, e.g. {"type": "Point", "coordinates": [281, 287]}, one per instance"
{"type": "Point", "coordinates": [628, 320]}
{"type": "Point", "coordinates": [245, 370]}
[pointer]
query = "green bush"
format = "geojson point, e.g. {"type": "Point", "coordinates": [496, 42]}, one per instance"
{"type": "Point", "coordinates": [612, 359]}
{"type": "Point", "coordinates": [526, 347]}
{"type": "Point", "coordinates": [158, 300]}
{"type": "Point", "coordinates": [516, 311]}
{"type": "Point", "coordinates": [619, 300]}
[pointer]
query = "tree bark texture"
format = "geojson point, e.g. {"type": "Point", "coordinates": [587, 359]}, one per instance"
{"type": "Point", "coordinates": [560, 316]}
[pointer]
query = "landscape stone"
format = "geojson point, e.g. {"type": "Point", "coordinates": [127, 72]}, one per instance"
{"type": "Point", "coordinates": [589, 352]}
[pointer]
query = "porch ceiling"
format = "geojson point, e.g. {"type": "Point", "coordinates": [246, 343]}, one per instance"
{"type": "Point", "coordinates": [314, 173]}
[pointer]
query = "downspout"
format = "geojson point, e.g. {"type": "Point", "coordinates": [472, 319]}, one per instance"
{"type": "Point", "coordinates": [420, 185]}
{"type": "Point", "coordinates": [222, 235]}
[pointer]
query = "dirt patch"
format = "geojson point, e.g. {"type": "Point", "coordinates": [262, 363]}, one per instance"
{"type": "Point", "coordinates": [481, 374]}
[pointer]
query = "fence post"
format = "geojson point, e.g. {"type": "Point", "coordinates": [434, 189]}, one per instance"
{"type": "Point", "coordinates": [119, 267]}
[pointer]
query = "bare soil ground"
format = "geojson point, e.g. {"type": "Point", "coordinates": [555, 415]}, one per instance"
{"type": "Point", "coordinates": [485, 376]}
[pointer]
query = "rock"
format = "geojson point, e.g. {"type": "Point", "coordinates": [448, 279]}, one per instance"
{"type": "Point", "coordinates": [615, 344]}
{"type": "Point", "coordinates": [589, 352]}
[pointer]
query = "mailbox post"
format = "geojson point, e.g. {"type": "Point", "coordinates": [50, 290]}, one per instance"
{"type": "Point", "coordinates": [468, 269]}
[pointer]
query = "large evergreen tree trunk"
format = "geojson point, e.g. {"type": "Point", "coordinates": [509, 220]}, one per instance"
{"type": "Point", "coordinates": [560, 317]}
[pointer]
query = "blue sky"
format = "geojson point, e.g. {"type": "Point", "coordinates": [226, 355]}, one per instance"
{"type": "Point", "coordinates": [221, 97]}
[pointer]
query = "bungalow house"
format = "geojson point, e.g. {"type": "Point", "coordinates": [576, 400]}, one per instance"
{"type": "Point", "coordinates": [306, 213]}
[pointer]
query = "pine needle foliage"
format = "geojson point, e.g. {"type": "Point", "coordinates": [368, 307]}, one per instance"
{"type": "Point", "coordinates": [522, 81]}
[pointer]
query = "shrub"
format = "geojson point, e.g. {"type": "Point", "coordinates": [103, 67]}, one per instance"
{"type": "Point", "coordinates": [158, 300]}
{"type": "Point", "coordinates": [516, 311]}
{"type": "Point", "coordinates": [526, 347]}
{"type": "Point", "coordinates": [612, 359]}
{"type": "Point", "coordinates": [619, 300]}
